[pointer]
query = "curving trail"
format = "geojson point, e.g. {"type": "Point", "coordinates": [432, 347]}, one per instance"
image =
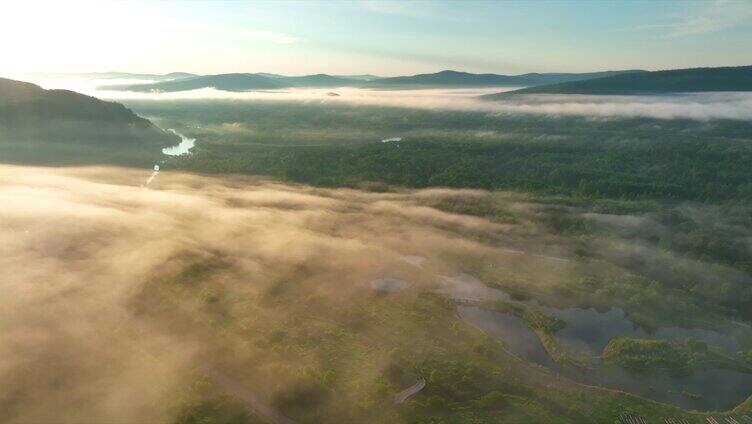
{"type": "Point", "coordinates": [410, 391]}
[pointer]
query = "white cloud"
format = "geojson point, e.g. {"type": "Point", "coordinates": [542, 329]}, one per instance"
{"type": "Point", "coordinates": [715, 16]}
{"type": "Point", "coordinates": [698, 106]}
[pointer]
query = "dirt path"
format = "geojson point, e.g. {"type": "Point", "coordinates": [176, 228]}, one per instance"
{"type": "Point", "coordinates": [415, 388]}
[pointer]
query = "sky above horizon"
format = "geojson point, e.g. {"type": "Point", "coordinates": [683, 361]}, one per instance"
{"type": "Point", "coordinates": [372, 36]}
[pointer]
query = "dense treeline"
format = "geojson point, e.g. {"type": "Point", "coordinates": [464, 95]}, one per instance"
{"type": "Point", "coordinates": [336, 145]}
{"type": "Point", "coordinates": [60, 127]}
{"type": "Point", "coordinates": [589, 162]}
{"type": "Point", "coordinates": [700, 170]}
{"type": "Point", "coordinates": [693, 80]}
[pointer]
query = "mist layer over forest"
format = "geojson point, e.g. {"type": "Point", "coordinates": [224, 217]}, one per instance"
{"type": "Point", "coordinates": [349, 255]}
{"type": "Point", "coordinates": [125, 304]}
{"type": "Point", "coordinates": [375, 212]}
{"type": "Point", "coordinates": [702, 106]}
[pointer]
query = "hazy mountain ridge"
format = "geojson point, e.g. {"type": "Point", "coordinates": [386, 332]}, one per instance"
{"type": "Point", "coordinates": [321, 80]}
{"type": "Point", "coordinates": [23, 102]}
{"type": "Point", "coordinates": [265, 81]}
{"type": "Point", "coordinates": [242, 82]}
{"type": "Point", "coordinates": [32, 118]}
{"type": "Point", "coordinates": [458, 78]}
{"type": "Point", "coordinates": [116, 75]}
{"type": "Point", "coordinates": [226, 82]}
{"type": "Point", "coordinates": [736, 78]}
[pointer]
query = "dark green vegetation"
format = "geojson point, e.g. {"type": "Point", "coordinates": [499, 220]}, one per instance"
{"type": "Point", "coordinates": [670, 357]}
{"type": "Point", "coordinates": [267, 285]}
{"type": "Point", "coordinates": [686, 264]}
{"type": "Point", "coordinates": [545, 326]}
{"type": "Point", "coordinates": [738, 78]}
{"type": "Point", "coordinates": [746, 356]}
{"type": "Point", "coordinates": [344, 357]}
{"type": "Point", "coordinates": [540, 321]}
{"type": "Point", "coordinates": [24, 104]}
{"type": "Point", "coordinates": [264, 81]}
{"type": "Point", "coordinates": [542, 324]}
{"type": "Point", "coordinates": [617, 178]}
{"type": "Point", "coordinates": [648, 354]}
{"type": "Point", "coordinates": [652, 216]}
{"type": "Point", "coordinates": [62, 127]}
{"type": "Point", "coordinates": [326, 145]}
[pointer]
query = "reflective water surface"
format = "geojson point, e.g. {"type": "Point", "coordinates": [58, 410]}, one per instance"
{"type": "Point", "coordinates": [588, 330]}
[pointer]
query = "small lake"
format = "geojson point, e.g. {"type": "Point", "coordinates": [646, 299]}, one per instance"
{"type": "Point", "coordinates": [515, 333]}
{"type": "Point", "coordinates": [589, 330]}
{"type": "Point", "coordinates": [184, 148]}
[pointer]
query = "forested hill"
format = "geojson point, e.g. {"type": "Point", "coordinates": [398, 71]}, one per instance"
{"type": "Point", "coordinates": [23, 103]}
{"type": "Point", "coordinates": [53, 126]}
{"type": "Point", "coordinates": [266, 81]}
{"type": "Point", "coordinates": [241, 82]}
{"type": "Point", "coordinates": [738, 78]}
{"type": "Point", "coordinates": [465, 79]}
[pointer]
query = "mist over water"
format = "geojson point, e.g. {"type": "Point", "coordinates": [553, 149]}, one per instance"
{"type": "Point", "coordinates": [698, 106]}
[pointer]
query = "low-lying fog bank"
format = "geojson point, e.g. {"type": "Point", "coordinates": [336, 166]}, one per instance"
{"type": "Point", "coordinates": [699, 106]}
{"type": "Point", "coordinates": [115, 299]}
{"type": "Point", "coordinates": [85, 250]}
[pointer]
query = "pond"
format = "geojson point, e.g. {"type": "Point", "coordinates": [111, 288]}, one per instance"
{"type": "Point", "coordinates": [589, 330]}
{"type": "Point", "coordinates": [517, 336]}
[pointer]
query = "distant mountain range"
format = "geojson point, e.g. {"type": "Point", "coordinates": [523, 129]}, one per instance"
{"type": "Point", "coordinates": [465, 79]}
{"type": "Point", "coordinates": [632, 81]}
{"type": "Point", "coordinates": [365, 77]}
{"type": "Point", "coordinates": [241, 82]}
{"type": "Point", "coordinates": [225, 82]}
{"type": "Point", "coordinates": [116, 75]}
{"type": "Point", "coordinates": [737, 78]}
{"type": "Point", "coordinates": [266, 81]}
{"type": "Point", "coordinates": [35, 122]}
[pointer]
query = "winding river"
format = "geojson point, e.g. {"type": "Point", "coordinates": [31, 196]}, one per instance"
{"type": "Point", "coordinates": [184, 148]}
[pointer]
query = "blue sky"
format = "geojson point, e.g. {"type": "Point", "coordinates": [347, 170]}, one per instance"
{"type": "Point", "coordinates": [378, 37]}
